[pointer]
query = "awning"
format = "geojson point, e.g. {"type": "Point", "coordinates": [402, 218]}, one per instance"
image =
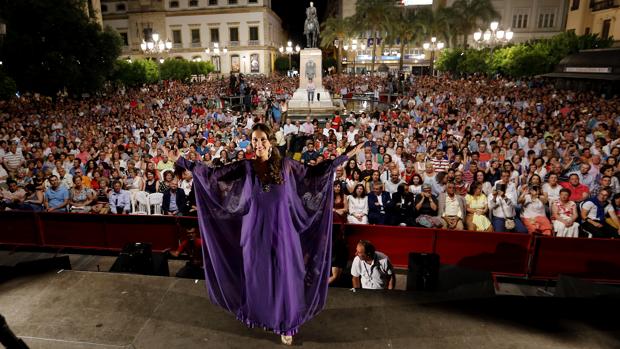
{"type": "Point", "coordinates": [608, 77]}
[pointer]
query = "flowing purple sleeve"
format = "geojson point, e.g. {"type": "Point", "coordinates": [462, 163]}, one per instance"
{"type": "Point", "coordinates": [310, 204]}
{"type": "Point", "coordinates": [223, 197]}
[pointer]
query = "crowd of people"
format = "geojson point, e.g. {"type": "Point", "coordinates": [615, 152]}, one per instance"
{"type": "Point", "coordinates": [476, 153]}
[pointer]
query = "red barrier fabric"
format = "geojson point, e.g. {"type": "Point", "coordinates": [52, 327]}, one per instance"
{"type": "Point", "coordinates": [500, 253]}
{"type": "Point", "coordinates": [19, 228]}
{"type": "Point", "coordinates": [494, 252]}
{"type": "Point", "coordinates": [395, 242]}
{"type": "Point", "coordinates": [586, 258]}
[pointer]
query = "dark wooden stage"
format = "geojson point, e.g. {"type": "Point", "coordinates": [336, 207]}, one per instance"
{"type": "Point", "coordinates": [75, 309]}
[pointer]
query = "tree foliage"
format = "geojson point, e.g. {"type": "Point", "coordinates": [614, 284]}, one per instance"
{"type": "Point", "coordinates": [176, 69]}
{"type": "Point", "coordinates": [201, 68]}
{"type": "Point", "coordinates": [520, 60]}
{"type": "Point", "coordinates": [50, 45]}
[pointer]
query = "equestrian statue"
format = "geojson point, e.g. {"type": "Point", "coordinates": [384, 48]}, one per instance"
{"type": "Point", "coordinates": [311, 27]}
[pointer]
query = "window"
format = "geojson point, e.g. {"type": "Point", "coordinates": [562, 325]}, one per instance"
{"type": "Point", "coordinates": [587, 31]}
{"type": "Point", "coordinates": [174, 4]}
{"type": "Point", "coordinates": [519, 21]}
{"type": "Point", "coordinates": [215, 34]}
{"type": "Point", "coordinates": [546, 20]}
{"type": "Point", "coordinates": [104, 8]}
{"type": "Point", "coordinates": [234, 34]}
{"type": "Point", "coordinates": [605, 30]}
{"type": "Point", "coordinates": [125, 39]}
{"type": "Point", "coordinates": [195, 37]}
{"type": "Point", "coordinates": [252, 1]}
{"type": "Point", "coordinates": [193, 3]}
{"type": "Point", "coordinates": [232, 2]}
{"type": "Point", "coordinates": [176, 37]}
{"type": "Point", "coordinates": [253, 33]}
{"type": "Point", "coordinates": [575, 5]}
{"type": "Point", "coordinates": [212, 2]}
{"type": "Point", "coordinates": [121, 8]}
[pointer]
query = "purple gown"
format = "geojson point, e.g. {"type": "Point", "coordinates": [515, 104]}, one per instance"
{"type": "Point", "coordinates": [267, 254]}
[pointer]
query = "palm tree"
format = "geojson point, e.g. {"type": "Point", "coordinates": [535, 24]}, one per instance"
{"type": "Point", "coordinates": [372, 16]}
{"type": "Point", "coordinates": [471, 13]}
{"type": "Point", "coordinates": [335, 29]}
{"type": "Point", "coordinates": [406, 28]}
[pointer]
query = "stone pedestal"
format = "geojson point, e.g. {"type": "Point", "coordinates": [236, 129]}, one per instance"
{"type": "Point", "coordinates": [310, 55]}
{"type": "Point", "coordinates": [299, 105]}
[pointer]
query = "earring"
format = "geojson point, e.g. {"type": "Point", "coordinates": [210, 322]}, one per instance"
{"type": "Point", "coordinates": [270, 151]}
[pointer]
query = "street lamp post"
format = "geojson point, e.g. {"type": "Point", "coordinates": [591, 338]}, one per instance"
{"type": "Point", "coordinates": [353, 48]}
{"type": "Point", "coordinates": [433, 46]}
{"type": "Point", "coordinates": [289, 50]}
{"type": "Point", "coordinates": [155, 46]}
{"type": "Point", "coordinates": [493, 36]}
{"type": "Point", "coordinates": [215, 52]}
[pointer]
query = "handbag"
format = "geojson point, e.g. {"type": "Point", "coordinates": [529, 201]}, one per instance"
{"type": "Point", "coordinates": [509, 223]}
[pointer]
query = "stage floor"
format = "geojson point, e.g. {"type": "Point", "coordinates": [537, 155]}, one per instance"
{"type": "Point", "coordinates": [75, 309]}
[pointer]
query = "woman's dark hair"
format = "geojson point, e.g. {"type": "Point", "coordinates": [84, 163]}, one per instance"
{"type": "Point", "coordinates": [354, 193]}
{"type": "Point", "coordinates": [473, 187]}
{"type": "Point", "coordinates": [341, 193]}
{"type": "Point", "coordinates": [275, 160]}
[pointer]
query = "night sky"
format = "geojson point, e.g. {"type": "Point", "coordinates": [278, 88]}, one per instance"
{"type": "Point", "coordinates": [293, 15]}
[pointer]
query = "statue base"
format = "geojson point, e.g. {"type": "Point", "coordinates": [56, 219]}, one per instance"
{"type": "Point", "coordinates": [299, 106]}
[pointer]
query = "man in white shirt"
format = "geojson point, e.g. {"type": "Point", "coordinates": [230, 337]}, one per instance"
{"type": "Point", "coordinates": [552, 188]}
{"type": "Point", "coordinates": [290, 129]}
{"type": "Point", "coordinates": [371, 269]}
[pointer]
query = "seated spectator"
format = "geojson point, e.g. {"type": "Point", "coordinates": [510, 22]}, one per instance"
{"type": "Point", "coordinates": [355, 179]}
{"type": "Point", "coordinates": [391, 185]}
{"type": "Point", "coordinates": [552, 188]}
{"type": "Point", "coordinates": [56, 197]}
{"type": "Point", "coordinates": [151, 184]}
{"type": "Point", "coordinates": [502, 206]}
{"type": "Point", "coordinates": [374, 179]}
{"type": "Point", "coordinates": [119, 199]}
{"type": "Point", "coordinates": [593, 212]}
{"type": "Point", "coordinates": [165, 184]}
{"type": "Point", "coordinates": [427, 208]}
{"type": "Point", "coordinates": [403, 206]}
{"type": "Point", "coordinates": [102, 200]}
{"type": "Point", "coordinates": [533, 214]}
{"type": "Point", "coordinates": [379, 205]}
{"type": "Point", "coordinates": [13, 197]}
{"type": "Point", "coordinates": [80, 197]}
{"type": "Point", "coordinates": [371, 269]}
{"type": "Point", "coordinates": [452, 208]}
{"type": "Point", "coordinates": [340, 204]}
{"type": "Point", "coordinates": [416, 184]}
{"type": "Point", "coordinates": [35, 196]}
{"type": "Point", "coordinates": [358, 206]}
{"type": "Point", "coordinates": [615, 204]}
{"type": "Point", "coordinates": [579, 192]}
{"type": "Point", "coordinates": [564, 216]}
{"type": "Point", "coordinates": [477, 209]}
{"type": "Point", "coordinates": [174, 201]}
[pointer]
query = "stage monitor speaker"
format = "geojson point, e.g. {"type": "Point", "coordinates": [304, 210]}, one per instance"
{"type": "Point", "coordinates": [138, 258]}
{"type": "Point", "coordinates": [572, 287]}
{"type": "Point", "coordinates": [422, 274]}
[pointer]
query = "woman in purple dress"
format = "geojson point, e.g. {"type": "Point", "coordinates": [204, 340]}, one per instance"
{"type": "Point", "coordinates": [266, 228]}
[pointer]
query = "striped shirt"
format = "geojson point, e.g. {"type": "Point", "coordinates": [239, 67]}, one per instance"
{"type": "Point", "coordinates": [440, 165]}
{"type": "Point", "coordinates": [13, 161]}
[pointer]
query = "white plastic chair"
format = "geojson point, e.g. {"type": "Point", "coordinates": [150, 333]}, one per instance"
{"type": "Point", "coordinates": [140, 203]}
{"type": "Point", "coordinates": [156, 200]}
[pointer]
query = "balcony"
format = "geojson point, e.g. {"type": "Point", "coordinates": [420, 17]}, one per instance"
{"type": "Point", "coordinates": [196, 44]}
{"type": "Point", "coordinates": [603, 5]}
{"type": "Point", "coordinates": [253, 42]}
{"type": "Point", "coordinates": [233, 43]}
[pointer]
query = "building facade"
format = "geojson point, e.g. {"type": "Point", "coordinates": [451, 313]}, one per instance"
{"type": "Point", "coordinates": [528, 19]}
{"type": "Point", "coordinates": [596, 17]}
{"type": "Point", "coordinates": [246, 32]}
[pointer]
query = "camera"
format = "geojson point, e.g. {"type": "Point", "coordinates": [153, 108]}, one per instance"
{"type": "Point", "coordinates": [501, 187]}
